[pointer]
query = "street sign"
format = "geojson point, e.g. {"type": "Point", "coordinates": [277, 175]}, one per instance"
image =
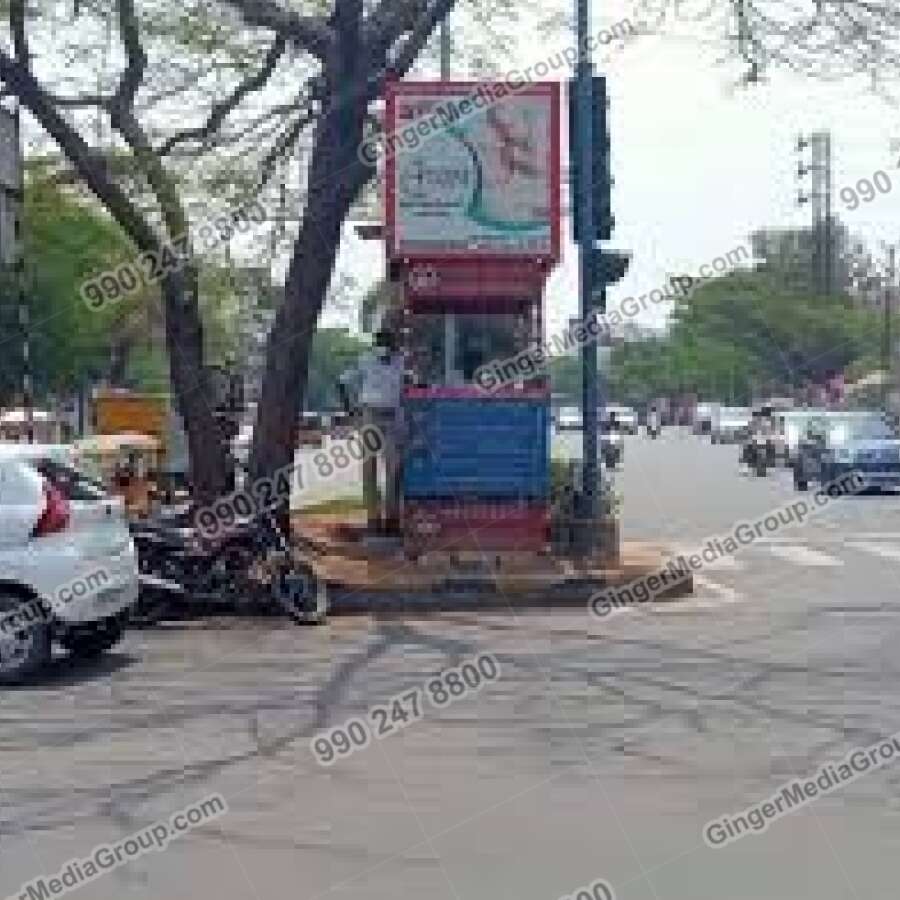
{"type": "Point", "coordinates": [472, 169]}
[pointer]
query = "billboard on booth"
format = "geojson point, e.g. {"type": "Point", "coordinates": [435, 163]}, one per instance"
{"type": "Point", "coordinates": [472, 169]}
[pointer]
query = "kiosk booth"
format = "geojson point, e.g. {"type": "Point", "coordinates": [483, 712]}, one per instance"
{"type": "Point", "coordinates": [472, 233]}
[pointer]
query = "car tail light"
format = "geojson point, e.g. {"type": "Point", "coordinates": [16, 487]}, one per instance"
{"type": "Point", "coordinates": [55, 517]}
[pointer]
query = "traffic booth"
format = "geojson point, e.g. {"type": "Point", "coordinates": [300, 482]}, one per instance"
{"type": "Point", "coordinates": [472, 232]}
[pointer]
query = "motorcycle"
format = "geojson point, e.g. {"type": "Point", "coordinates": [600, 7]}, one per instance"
{"type": "Point", "coordinates": [759, 455]}
{"type": "Point", "coordinates": [249, 568]}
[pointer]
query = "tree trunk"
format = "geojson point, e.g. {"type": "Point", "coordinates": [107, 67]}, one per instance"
{"type": "Point", "coordinates": [190, 384]}
{"type": "Point", "coordinates": [335, 177]}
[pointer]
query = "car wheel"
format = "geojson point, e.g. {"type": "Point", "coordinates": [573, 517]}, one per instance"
{"type": "Point", "coordinates": [25, 650]}
{"type": "Point", "coordinates": [91, 641]}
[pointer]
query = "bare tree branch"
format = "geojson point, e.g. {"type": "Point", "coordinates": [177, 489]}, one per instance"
{"type": "Point", "coordinates": [431, 17]}
{"type": "Point", "coordinates": [311, 33]}
{"type": "Point", "coordinates": [17, 26]}
{"type": "Point", "coordinates": [40, 103]}
{"type": "Point", "coordinates": [389, 20]}
{"type": "Point", "coordinates": [133, 75]}
{"type": "Point", "coordinates": [222, 109]}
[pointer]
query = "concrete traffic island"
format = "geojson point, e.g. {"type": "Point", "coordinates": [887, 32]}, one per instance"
{"type": "Point", "coordinates": [365, 574]}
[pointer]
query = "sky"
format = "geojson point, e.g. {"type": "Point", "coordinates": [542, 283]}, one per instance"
{"type": "Point", "coordinates": [700, 163]}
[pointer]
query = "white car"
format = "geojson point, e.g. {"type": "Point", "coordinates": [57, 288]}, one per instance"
{"type": "Point", "coordinates": [730, 424]}
{"type": "Point", "coordinates": [568, 419]}
{"type": "Point", "coordinates": [703, 417]}
{"type": "Point", "coordinates": [68, 567]}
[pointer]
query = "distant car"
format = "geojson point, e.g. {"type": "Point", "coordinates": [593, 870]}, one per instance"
{"type": "Point", "coordinates": [68, 567]}
{"type": "Point", "coordinates": [625, 416]}
{"type": "Point", "coordinates": [568, 418]}
{"type": "Point", "coordinates": [730, 425]}
{"type": "Point", "coordinates": [790, 427]}
{"type": "Point", "coordinates": [610, 443]}
{"type": "Point", "coordinates": [703, 416]}
{"type": "Point", "coordinates": [839, 443]}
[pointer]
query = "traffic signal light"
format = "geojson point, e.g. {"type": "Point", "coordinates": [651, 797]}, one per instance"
{"type": "Point", "coordinates": [602, 177]}
{"type": "Point", "coordinates": [609, 266]}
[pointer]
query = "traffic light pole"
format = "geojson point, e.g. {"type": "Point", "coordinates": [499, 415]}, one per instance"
{"type": "Point", "coordinates": [585, 212]}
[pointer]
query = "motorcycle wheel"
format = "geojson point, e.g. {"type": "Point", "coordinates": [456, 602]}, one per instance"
{"type": "Point", "coordinates": [302, 595]}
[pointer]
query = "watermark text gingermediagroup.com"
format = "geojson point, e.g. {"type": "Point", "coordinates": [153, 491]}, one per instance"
{"type": "Point", "coordinates": [743, 534]}
{"type": "Point", "coordinates": [454, 111]}
{"type": "Point", "coordinates": [105, 858]}
{"type": "Point", "coordinates": [800, 792]}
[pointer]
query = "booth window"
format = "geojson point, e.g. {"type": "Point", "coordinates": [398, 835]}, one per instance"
{"type": "Point", "coordinates": [475, 338]}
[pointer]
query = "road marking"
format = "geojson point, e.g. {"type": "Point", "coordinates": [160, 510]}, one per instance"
{"type": "Point", "coordinates": [723, 562]}
{"type": "Point", "coordinates": [803, 556]}
{"type": "Point", "coordinates": [883, 550]}
{"type": "Point", "coordinates": [725, 593]}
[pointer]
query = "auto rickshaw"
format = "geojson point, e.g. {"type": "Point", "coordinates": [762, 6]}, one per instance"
{"type": "Point", "coordinates": [128, 464]}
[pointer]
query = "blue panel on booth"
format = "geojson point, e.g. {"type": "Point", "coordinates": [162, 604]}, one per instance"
{"type": "Point", "coordinates": [477, 447]}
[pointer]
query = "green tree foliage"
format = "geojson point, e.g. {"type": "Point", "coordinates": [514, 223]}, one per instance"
{"type": "Point", "coordinates": [66, 241]}
{"type": "Point", "coordinates": [742, 335]}
{"type": "Point", "coordinates": [333, 350]}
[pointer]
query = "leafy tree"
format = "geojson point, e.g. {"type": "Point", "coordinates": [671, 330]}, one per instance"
{"type": "Point", "coordinates": [65, 242]}
{"type": "Point", "coordinates": [744, 335]}
{"type": "Point", "coordinates": [333, 350]}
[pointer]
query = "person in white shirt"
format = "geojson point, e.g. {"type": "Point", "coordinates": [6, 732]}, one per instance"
{"type": "Point", "coordinates": [377, 382]}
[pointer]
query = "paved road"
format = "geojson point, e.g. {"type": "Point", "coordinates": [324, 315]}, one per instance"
{"type": "Point", "coordinates": [600, 752]}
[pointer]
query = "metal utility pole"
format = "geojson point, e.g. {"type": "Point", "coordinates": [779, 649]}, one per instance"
{"type": "Point", "coordinates": [446, 47]}
{"type": "Point", "coordinates": [828, 274]}
{"type": "Point", "coordinates": [584, 210]}
{"type": "Point", "coordinates": [590, 176]}
{"type": "Point", "coordinates": [819, 198]}
{"type": "Point", "coordinates": [886, 337]}
{"type": "Point", "coordinates": [449, 318]}
{"type": "Point", "coordinates": [24, 306]}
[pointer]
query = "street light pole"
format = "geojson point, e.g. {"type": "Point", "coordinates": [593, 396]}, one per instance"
{"type": "Point", "coordinates": [585, 211]}
{"type": "Point", "coordinates": [886, 337]}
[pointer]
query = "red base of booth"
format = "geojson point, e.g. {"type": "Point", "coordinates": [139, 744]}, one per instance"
{"type": "Point", "coordinates": [447, 526]}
